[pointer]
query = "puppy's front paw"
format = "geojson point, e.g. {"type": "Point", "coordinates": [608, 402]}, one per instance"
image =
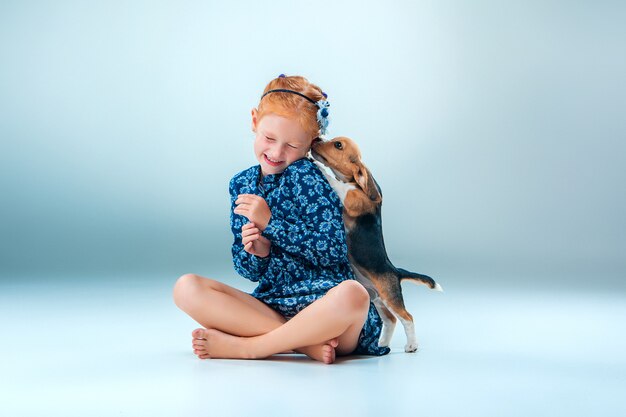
{"type": "Point", "coordinates": [385, 338]}
{"type": "Point", "coordinates": [410, 347]}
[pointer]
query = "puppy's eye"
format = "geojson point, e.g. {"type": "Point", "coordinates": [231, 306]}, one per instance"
{"type": "Point", "coordinates": [338, 145]}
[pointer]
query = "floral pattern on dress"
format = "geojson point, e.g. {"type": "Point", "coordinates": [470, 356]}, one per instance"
{"type": "Point", "coordinates": [309, 253]}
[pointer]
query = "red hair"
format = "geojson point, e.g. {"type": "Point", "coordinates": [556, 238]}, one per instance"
{"type": "Point", "coordinates": [292, 105]}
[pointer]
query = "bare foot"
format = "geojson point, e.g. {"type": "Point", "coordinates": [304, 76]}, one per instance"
{"type": "Point", "coordinates": [199, 348]}
{"type": "Point", "coordinates": [212, 343]}
{"type": "Point", "coordinates": [324, 352]}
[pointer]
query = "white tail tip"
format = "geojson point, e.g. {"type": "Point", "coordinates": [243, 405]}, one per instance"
{"type": "Point", "coordinates": [438, 287]}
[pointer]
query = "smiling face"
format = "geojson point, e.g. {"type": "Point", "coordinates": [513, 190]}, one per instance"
{"type": "Point", "coordinates": [279, 141]}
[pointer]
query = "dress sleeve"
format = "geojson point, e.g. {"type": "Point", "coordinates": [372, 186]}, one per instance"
{"type": "Point", "coordinates": [317, 232]}
{"type": "Point", "coordinates": [246, 264]}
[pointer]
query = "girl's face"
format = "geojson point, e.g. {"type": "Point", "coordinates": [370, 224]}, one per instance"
{"type": "Point", "coordinates": [279, 141]}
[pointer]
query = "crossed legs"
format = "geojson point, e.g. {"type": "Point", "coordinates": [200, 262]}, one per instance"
{"type": "Point", "coordinates": [240, 326]}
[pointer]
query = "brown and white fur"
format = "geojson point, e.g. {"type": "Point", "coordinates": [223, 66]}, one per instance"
{"type": "Point", "coordinates": [362, 200]}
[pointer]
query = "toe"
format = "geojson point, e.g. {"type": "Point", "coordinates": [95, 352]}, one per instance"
{"type": "Point", "coordinates": [328, 357]}
{"type": "Point", "coordinates": [198, 333]}
{"type": "Point", "coordinates": [327, 353]}
{"type": "Point", "coordinates": [334, 342]}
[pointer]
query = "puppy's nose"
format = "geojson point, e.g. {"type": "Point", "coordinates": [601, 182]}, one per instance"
{"type": "Point", "coordinates": [316, 141]}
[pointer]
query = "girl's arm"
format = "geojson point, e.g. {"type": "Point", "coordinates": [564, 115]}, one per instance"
{"type": "Point", "coordinates": [317, 235]}
{"type": "Point", "coordinates": [247, 265]}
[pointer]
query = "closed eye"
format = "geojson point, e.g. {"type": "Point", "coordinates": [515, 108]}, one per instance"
{"type": "Point", "coordinates": [273, 140]}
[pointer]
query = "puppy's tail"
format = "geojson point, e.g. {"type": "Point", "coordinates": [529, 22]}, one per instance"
{"type": "Point", "coordinates": [418, 279]}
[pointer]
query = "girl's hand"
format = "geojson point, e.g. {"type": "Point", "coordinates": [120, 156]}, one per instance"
{"type": "Point", "coordinates": [253, 242]}
{"type": "Point", "coordinates": [254, 208]}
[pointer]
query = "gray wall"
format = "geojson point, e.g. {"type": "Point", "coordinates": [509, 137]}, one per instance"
{"type": "Point", "coordinates": [495, 129]}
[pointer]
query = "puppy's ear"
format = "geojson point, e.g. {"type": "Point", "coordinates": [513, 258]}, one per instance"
{"type": "Point", "coordinates": [364, 178]}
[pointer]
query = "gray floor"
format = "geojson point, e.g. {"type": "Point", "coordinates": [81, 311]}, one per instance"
{"type": "Point", "coordinates": [119, 346]}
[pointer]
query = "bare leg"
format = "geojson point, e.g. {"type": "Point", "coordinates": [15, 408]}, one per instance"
{"type": "Point", "coordinates": [216, 305]}
{"type": "Point", "coordinates": [340, 314]}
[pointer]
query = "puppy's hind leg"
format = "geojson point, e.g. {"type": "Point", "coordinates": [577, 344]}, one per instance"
{"type": "Point", "coordinates": [391, 295]}
{"type": "Point", "coordinates": [389, 322]}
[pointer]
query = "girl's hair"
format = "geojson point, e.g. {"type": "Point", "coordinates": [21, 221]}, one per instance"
{"type": "Point", "coordinates": [292, 105]}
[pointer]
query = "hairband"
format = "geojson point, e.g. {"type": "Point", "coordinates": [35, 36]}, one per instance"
{"type": "Point", "coordinates": [322, 105]}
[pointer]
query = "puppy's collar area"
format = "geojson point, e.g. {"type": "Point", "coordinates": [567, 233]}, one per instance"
{"type": "Point", "coordinates": [321, 163]}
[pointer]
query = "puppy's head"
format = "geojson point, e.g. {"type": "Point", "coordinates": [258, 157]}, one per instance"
{"type": "Point", "coordinates": [343, 157]}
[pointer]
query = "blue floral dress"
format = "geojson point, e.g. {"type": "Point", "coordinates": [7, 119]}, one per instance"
{"type": "Point", "coordinates": [309, 254]}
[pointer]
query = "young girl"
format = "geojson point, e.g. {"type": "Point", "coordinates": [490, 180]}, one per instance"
{"type": "Point", "coordinates": [289, 237]}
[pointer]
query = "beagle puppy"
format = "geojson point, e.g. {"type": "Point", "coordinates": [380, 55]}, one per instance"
{"type": "Point", "coordinates": [362, 200]}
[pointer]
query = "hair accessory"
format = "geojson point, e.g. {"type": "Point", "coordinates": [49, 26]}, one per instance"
{"type": "Point", "coordinates": [322, 105]}
{"type": "Point", "coordinates": [281, 76]}
{"type": "Point", "coordinates": [322, 115]}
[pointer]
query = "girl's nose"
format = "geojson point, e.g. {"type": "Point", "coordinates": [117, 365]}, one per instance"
{"type": "Point", "coordinates": [277, 153]}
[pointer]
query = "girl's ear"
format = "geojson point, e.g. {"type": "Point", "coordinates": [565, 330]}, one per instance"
{"type": "Point", "coordinates": [363, 177]}
{"type": "Point", "coordinates": [315, 139]}
{"type": "Point", "coordinates": [254, 119]}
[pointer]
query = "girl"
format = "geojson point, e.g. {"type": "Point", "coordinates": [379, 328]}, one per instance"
{"type": "Point", "coordinates": [289, 237]}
